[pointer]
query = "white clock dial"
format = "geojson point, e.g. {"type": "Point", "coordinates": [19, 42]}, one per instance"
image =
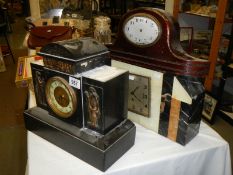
{"type": "Point", "coordinates": [61, 97]}
{"type": "Point", "coordinates": [142, 30]}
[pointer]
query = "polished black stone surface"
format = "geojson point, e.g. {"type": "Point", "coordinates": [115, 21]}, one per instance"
{"type": "Point", "coordinates": [100, 151]}
{"type": "Point", "coordinates": [75, 55]}
{"type": "Point", "coordinates": [190, 114]}
{"type": "Point", "coordinates": [74, 49]}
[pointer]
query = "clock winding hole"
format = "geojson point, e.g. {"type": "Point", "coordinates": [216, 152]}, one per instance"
{"type": "Point", "coordinates": [61, 96]}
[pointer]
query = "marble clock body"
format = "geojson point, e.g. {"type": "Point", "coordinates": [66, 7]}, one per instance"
{"type": "Point", "coordinates": [148, 46]}
{"type": "Point", "coordinates": [156, 78]}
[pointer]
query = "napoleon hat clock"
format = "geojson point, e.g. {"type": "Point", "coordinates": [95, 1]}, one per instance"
{"type": "Point", "coordinates": [148, 45]}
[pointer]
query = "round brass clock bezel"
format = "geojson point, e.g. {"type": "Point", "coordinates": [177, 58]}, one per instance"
{"type": "Point", "coordinates": [69, 89]}
{"type": "Point", "coordinates": [147, 16]}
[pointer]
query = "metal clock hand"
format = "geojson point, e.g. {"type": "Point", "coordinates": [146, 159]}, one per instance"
{"type": "Point", "coordinates": [133, 92]}
{"type": "Point", "coordinates": [137, 98]}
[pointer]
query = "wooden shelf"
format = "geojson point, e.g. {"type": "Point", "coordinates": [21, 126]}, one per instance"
{"type": "Point", "coordinates": [198, 14]}
{"type": "Point", "coordinates": [226, 19]}
{"type": "Point", "coordinates": [139, 3]}
{"type": "Point", "coordinates": [227, 36]}
{"type": "Point", "coordinates": [217, 34]}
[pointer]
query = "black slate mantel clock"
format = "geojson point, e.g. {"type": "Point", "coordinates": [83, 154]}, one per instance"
{"type": "Point", "coordinates": [81, 102]}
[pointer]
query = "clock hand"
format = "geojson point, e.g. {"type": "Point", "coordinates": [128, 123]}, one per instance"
{"type": "Point", "coordinates": [133, 92]}
{"type": "Point", "coordinates": [137, 98]}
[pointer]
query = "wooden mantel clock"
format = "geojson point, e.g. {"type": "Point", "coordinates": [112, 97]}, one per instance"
{"type": "Point", "coordinates": [165, 83]}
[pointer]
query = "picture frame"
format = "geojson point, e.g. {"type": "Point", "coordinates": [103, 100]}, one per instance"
{"type": "Point", "coordinates": [186, 35]}
{"type": "Point", "coordinates": [209, 107]}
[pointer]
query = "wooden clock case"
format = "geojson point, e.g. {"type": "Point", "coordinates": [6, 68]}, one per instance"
{"type": "Point", "coordinates": [166, 55]}
{"type": "Point", "coordinates": [176, 77]}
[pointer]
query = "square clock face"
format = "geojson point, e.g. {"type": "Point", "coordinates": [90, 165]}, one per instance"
{"type": "Point", "coordinates": [139, 95]}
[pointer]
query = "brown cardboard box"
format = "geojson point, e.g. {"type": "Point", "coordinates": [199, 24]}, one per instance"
{"type": "Point", "coordinates": [23, 73]}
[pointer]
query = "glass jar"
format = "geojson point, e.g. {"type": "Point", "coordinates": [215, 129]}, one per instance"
{"type": "Point", "coordinates": [102, 31]}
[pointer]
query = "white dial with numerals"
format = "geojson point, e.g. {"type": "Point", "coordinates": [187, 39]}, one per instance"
{"type": "Point", "coordinates": [142, 30]}
{"type": "Point", "coordinates": [60, 97]}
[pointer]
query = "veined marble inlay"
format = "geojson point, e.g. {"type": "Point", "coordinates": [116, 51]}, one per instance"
{"type": "Point", "coordinates": [156, 87]}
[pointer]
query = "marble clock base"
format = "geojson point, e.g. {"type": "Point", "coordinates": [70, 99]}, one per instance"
{"type": "Point", "coordinates": [181, 107]}
{"type": "Point", "coordinates": [156, 79]}
{"type": "Point", "coordinates": [100, 151]}
{"type": "Point", "coordinates": [175, 103]}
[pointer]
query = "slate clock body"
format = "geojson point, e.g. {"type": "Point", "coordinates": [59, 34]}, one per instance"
{"type": "Point", "coordinates": [58, 83]}
{"type": "Point", "coordinates": [81, 102]}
